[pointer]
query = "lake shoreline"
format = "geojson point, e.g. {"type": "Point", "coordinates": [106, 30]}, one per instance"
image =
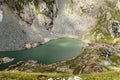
{"type": "Point", "coordinates": [55, 50]}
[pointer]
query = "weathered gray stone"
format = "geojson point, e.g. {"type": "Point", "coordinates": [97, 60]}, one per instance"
{"type": "Point", "coordinates": [5, 60]}
{"type": "Point", "coordinates": [116, 29]}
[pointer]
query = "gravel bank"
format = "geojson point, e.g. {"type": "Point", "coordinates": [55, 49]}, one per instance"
{"type": "Point", "coordinates": [12, 37]}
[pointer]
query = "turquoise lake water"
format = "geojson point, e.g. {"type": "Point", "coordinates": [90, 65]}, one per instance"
{"type": "Point", "coordinates": [50, 52]}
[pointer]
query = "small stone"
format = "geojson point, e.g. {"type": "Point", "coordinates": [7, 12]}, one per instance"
{"type": "Point", "coordinates": [28, 46]}
{"type": "Point", "coordinates": [77, 78]}
{"type": "Point", "coordinates": [34, 45]}
{"type": "Point", "coordinates": [7, 59]}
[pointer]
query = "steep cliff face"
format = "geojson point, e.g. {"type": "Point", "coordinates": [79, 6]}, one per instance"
{"type": "Point", "coordinates": [12, 36]}
{"type": "Point", "coordinates": [56, 14]}
{"type": "Point", "coordinates": [28, 10]}
{"type": "Point", "coordinates": [56, 17]}
{"type": "Point", "coordinates": [43, 20]}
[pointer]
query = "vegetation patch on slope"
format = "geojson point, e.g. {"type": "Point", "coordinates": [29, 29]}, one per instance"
{"type": "Point", "coordinates": [101, 32]}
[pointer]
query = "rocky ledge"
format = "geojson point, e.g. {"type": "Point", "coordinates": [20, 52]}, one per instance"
{"type": "Point", "coordinates": [5, 60]}
{"type": "Point", "coordinates": [29, 66]}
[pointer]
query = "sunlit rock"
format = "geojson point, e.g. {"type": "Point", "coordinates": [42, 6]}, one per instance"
{"type": "Point", "coordinates": [28, 46]}
{"type": "Point", "coordinates": [1, 15]}
{"type": "Point", "coordinates": [5, 60]}
{"type": "Point", "coordinates": [50, 79]}
{"type": "Point", "coordinates": [118, 4]}
{"type": "Point", "coordinates": [34, 45]}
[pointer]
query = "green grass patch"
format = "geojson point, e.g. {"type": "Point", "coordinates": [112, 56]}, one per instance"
{"type": "Point", "coordinates": [8, 75]}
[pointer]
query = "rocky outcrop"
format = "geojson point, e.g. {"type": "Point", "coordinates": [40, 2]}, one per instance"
{"type": "Point", "coordinates": [29, 66]}
{"type": "Point", "coordinates": [32, 45]}
{"type": "Point", "coordinates": [1, 15]}
{"type": "Point", "coordinates": [107, 28]}
{"type": "Point", "coordinates": [111, 49]}
{"type": "Point", "coordinates": [30, 9]}
{"type": "Point", "coordinates": [24, 9]}
{"type": "Point", "coordinates": [5, 60]}
{"type": "Point", "coordinates": [116, 29]}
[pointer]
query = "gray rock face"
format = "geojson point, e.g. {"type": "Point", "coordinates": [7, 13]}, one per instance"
{"type": "Point", "coordinates": [71, 20]}
{"type": "Point", "coordinates": [5, 60]}
{"type": "Point", "coordinates": [28, 14]}
{"type": "Point", "coordinates": [1, 15]}
{"type": "Point", "coordinates": [39, 20]}
{"type": "Point", "coordinates": [67, 20]}
{"type": "Point", "coordinates": [116, 29]}
{"type": "Point", "coordinates": [36, 21]}
{"type": "Point", "coordinates": [29, 9]}
{"type": "Point", "coordinates": [12, 36]}
{"type": "Point", "coordinates": [29, 66]}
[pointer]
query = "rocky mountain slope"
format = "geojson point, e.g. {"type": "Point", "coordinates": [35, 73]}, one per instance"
{"type": "Point", "coordinates": [96, 22]}
{"type": "Point", "coordinates": [43, 20]}
{"type": "Point", "coordinates": [107, 28]}
{"type": "Point", "coordinates": [12, 36]}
